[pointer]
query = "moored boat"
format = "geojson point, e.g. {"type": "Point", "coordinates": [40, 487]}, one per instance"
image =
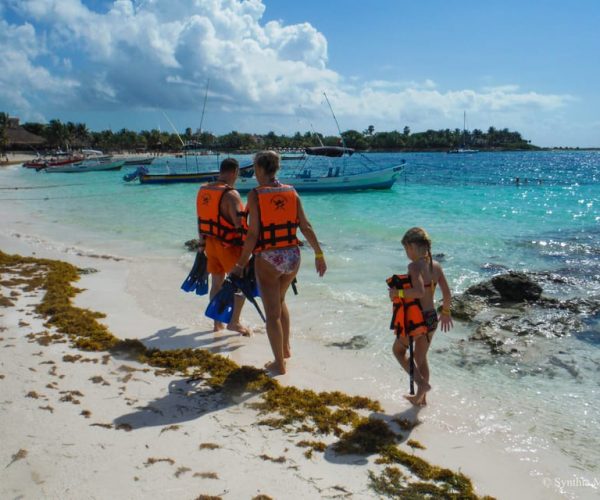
{"type": "Point", "coordinates": [95, 161]}
{"type": "Point", "coordinates": [330, 175]}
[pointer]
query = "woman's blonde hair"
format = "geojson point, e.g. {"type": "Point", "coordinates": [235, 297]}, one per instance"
{"type": "Point", "coordinates": [268, 161]}
{"type": "Point", "coordinates": [419, 237]}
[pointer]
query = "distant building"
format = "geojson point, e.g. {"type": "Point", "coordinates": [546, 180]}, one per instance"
{"type": "Point", "coordinates": [18, 138]}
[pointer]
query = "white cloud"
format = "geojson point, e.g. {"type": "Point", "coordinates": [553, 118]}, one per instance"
{"type": "Point", "coordinates": [20, 74]}
{"type": "Point", "coordinates": [160, 53]}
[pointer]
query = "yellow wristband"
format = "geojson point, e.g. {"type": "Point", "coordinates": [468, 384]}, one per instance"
{"type": "Point", "coordinates": [446, 312]}
{"type": "Point", "coordinates": [401, 294]}
{"type": "Point", "coordinates": [319, 255]}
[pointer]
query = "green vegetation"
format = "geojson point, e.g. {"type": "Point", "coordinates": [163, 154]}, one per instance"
{"type": "Point", "coordinates": [289, 408]}
{"type": "Point", "coordinates": [77, 136]}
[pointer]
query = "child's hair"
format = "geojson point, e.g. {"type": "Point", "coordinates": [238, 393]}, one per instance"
{"type": "Point", "coordinates": [268, 161]}
{"type": "Point", "coordinates": [419, 237]}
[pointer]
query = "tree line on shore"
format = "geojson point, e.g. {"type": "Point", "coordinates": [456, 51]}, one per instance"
{"type": "Point", "coordinates": [69, 135]}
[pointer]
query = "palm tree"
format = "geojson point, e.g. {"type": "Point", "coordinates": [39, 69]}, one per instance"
{"type": "Point", "coordinates": [3, 136]}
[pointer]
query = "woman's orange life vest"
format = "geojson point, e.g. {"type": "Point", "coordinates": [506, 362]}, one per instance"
{"type": "Point", "coordinates": [211, 221]}
{"type": "Point", "coordinates": [407, 316]}
{"type": "Point", "coordinates": [278, 214]}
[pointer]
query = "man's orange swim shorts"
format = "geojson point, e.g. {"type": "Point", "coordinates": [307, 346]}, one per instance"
{"type": "Point", "coordinates": [220, 258]}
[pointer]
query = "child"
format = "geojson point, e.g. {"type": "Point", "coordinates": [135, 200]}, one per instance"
{"type": "Point", "coordinates": [425, 274]}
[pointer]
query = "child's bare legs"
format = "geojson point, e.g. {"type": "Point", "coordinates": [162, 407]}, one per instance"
{"type": "Point", "coordinates": [399, 348]}
{"type": "Point", "coordinates": [421, 347]}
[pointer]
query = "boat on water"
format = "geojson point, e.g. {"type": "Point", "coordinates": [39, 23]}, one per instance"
{"type": "Point", "coordinates": [94, 161]}
{"type": "Point", "coordinates": [134, 162]}
{"type": "Point", "coordinates": [463, 149]}
{"type": "Point", "coordinates": [329, 171]}
{"type": "Point", "coordinates": [145, 177]}
{"type": "Point", "coordinates": [335, 180]}
{"type": "Point", "coordinates": [56, 159]}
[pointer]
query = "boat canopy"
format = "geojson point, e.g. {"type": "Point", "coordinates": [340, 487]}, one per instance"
{"type": "Point", "coordinates": [331, 151]}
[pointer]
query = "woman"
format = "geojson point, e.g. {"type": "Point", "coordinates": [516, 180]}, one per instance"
{"type": "Point", "coordinates": [275, 212]}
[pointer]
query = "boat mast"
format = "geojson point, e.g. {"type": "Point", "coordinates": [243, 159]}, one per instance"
{"type": "Point", "coordinates": [204, 105]}
{"type": "Point", "coordinates": [336, 122]}
{"type": "Point", "coordinates": [178, 136]}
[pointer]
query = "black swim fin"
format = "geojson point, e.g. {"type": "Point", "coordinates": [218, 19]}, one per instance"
{"type": "Point", "coordinates": [245, 285]}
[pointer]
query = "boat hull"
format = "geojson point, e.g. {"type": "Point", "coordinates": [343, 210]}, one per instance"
{"type": "Point", "coordinates": [378, 179]}
{"type": "Point", "coordinates": [86, 166]}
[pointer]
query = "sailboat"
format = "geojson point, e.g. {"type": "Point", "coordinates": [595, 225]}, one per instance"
{"type": "Point", "coordinates": [464, 149]}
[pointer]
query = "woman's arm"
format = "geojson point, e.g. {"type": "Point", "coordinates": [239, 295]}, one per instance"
{"type": "Point", "coordinates": [311, 237]}
{"type": "Point", "coordinates": [251, 236]}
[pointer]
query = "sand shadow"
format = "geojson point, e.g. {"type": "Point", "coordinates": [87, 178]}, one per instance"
{"type": "Point", "coordinates": [186, 400]}
{"type": "Point", "coordinates": [401, 424]}
{"type": "Point", "coordinates": [171, 338]}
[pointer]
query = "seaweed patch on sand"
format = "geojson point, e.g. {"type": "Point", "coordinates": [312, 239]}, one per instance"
{"type": "Point", "coordinates": [288, 408]}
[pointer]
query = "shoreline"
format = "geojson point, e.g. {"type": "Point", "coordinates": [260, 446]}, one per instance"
{"type": "Point", "coordinates": [115, 290]}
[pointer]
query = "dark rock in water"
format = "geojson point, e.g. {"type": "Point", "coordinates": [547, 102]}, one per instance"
{"type": "Point", "coordinates": [440, 257]}
{"type": "Point", "coordinates": [508, 287]}
{"type": "Point", "coordinates": [517, 287]}
{"type": "Point", "coordinates": [356, 342]}
{"type": "Point", "coordinates": [192, 245]}
{"type": "Point", "coordinates": [484, 289]}
{"type": "Point", "coordinates": [510, 315]}
{"type": "Point", "coordinates": [465, 307]}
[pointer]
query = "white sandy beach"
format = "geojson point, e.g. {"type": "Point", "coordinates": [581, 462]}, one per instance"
{"type": "Point", "coordinates": [68, 456]}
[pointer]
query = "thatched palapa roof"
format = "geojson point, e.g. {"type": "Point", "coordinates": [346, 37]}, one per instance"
{"type": "Point", "coordinates": [18, 136]}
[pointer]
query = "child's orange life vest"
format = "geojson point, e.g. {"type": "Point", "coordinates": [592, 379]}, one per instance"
{"type": "Point", "coordinates": [211, 221]}
{"type": "Point", "coordinates": [407, 316]}
{"type": "Point", "coordinates": [278, 214]}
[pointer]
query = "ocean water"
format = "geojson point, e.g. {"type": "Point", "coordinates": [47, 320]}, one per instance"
{"type": "Point", "coordinates": [481, 222]}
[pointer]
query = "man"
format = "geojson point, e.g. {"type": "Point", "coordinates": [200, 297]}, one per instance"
{"type": "Point", "coordinates": [222, 229]}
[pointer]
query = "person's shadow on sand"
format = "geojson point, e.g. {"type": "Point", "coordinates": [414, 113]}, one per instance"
{"type": "Point", "coordinates": [188, 399]}
{"type": "Point", "coordinates": [400, 424]}
{"type": "Point", "coordinates": [170, 338]}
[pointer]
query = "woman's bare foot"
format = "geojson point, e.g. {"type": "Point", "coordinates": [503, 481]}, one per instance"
{"type": "Point", "coordinates": [218, 326]}
{"type": "Point", "coordinates": [238, 327]}
{"type": "Point", "coordinates": [287, 352]}
{"type": "Point", "coordinates": [419, 398]}
{"type": "Point", "coordinates": [275, 368]}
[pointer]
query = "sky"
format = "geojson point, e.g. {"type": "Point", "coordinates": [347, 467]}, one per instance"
{"type": "Point", "coordinates": [527, 65]}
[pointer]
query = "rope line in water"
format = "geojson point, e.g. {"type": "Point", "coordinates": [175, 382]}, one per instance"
{"type": "Point", "coordinates": [40, 187]}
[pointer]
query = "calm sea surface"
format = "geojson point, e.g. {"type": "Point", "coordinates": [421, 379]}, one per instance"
{"type": "Point", "coordinates": [480, 221]}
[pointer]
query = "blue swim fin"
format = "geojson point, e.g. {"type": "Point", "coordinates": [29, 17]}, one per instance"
{"type": "Point", "coordinates": [197, 280]}
{"type": "Point", "coordinates": [220, 308]}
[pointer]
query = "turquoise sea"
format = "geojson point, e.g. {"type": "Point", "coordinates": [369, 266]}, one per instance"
{"type": "Point", "coordinates": [481, 223]}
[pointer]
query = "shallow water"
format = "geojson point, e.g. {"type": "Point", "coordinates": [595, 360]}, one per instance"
{"type": "Point", "coordinates": [481, 223]}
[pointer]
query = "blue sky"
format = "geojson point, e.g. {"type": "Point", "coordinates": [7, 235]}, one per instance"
{"type": "Point", "coordinates": [529, 66]}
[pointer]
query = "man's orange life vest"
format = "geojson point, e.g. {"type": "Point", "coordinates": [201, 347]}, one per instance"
{"type": "Point", "coordinates": [211, 221]}
{"type": "Point", "coordinates": [278, 214]}
{"type": "Point", "coordinates": [407, 316]}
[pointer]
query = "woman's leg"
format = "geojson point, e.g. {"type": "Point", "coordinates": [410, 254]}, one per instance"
{"type": "Point", "coordinates": [284, 283]}
{"type": "Point", "coordinates": [270, 293]}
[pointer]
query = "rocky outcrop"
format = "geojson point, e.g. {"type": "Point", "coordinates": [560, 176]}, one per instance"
{"type": "Point", "coordinates": [509, 312]}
